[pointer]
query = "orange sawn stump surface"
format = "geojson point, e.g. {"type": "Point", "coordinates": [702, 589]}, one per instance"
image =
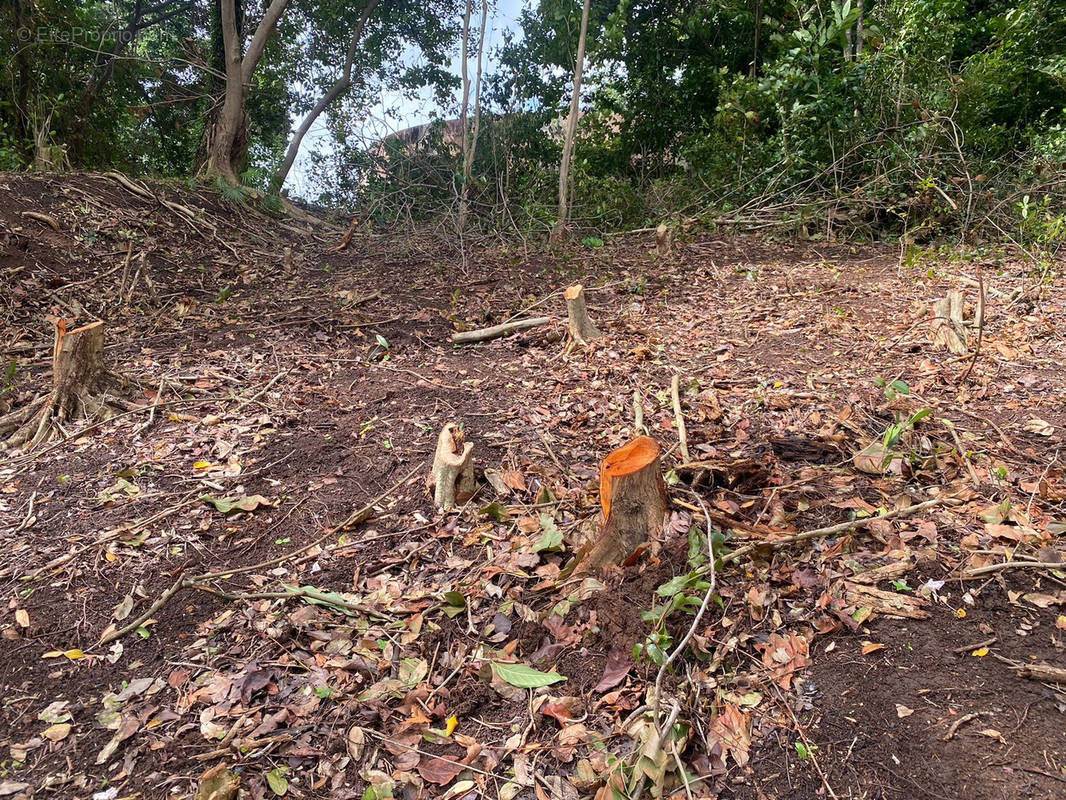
{"type": "Point", "coordinates": [633, 499]}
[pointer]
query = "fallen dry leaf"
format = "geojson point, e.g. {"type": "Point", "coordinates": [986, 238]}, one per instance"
{"type": "Point", "coordinates": [439, 770]}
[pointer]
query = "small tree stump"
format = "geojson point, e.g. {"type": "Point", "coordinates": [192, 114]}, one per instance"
{"type": "Point", "coordinates": [81, 388]}
{"type": "Point", "coordinates": [452, 477]}
{"type": "Point", "coordinates": [947, 327]}
{"type": "Point", "coordinates": [664, 239]}
{"type": "Point", "coordinates": [582, 328]}
{"type": "Point", "coordinates": [633, 501]}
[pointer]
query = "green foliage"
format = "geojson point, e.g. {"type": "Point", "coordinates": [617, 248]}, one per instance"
{"type": "Point", "coordinates": [911, 118]}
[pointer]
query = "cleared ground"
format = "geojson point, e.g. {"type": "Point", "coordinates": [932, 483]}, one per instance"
{"type": "Point", "coordinates": [317, 660]}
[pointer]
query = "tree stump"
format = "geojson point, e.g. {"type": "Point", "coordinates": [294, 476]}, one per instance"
{"type": "Point", "coordinates": [664, 239]}
{"type": "Point", "coordinates": [452, 477]}
{"type": "Point", "coordinates": [633, 501]}
{"type": "Point", "coordinates": [947, 327]}
{"type": "Point", "coordinates": [582, 328]}
{"type": "Point", "coordinates": [81, 388]}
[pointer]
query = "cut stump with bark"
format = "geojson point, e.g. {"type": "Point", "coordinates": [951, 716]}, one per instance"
{"type": "Point", "coordinates": [633, 501]}
{"type": "Point", "coordinates": [452, 477]}
{"type": "Point", "coordinates": [664, 240]}
{"type": "Point", "coordinates": [582, 328]}
{"type": "Point", "coordinates": [948, 328]}
{"type": "Point", "coordinates": [82, 388]}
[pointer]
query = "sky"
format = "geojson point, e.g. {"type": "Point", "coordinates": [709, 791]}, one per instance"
{"type": "Point", "coordinates": [396, 112]}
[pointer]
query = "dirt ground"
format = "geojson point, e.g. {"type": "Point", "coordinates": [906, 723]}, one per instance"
{"type": "Point", "coordinates": [888, 658]}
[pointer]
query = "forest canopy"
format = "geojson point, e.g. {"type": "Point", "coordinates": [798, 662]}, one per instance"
{"type": "Point", "coordinates": [897, 115]}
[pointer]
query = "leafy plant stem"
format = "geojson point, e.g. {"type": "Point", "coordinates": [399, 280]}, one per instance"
{"type": "Point", "coordinates": [661, 731]}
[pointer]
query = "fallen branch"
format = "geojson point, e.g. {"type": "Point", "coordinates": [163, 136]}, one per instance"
{"type": "Point", "coordinates": [496, 331]}
{"type": "Point", "coordinates": [679, 418]}
{"type": "Point", "coordinates": [262, 391]}
{"type": "Point", "coordinates": [832, 530]}
{"type": "Point", "coordinates": [1045, 673]}
{"type": "Point", "coordinates": [163, 599]}
{"type": "Point", "coordinates": [962, 450]}
{"type": "Point", "coordinates": [976, 572]}
{"type": "Point", "coordinates": [959, 723]}
{"type": "Point", "coordinates": [979, 321]}
{"type": "Point", "coordinates": [47, 219]}
{"type": "Point", "coordinates": [711, 588]}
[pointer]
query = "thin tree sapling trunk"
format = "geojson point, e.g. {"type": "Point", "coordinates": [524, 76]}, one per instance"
{"type": "Point", "coordinates": [633, 501]}
{"type": "Point", "coordinates": [82, 388]}
{"type": "Point", "coordinates": [559, 229]}
{"type": "Point", "coordinates": [470, 138]}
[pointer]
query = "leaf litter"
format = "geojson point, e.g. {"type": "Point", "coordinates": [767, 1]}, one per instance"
{"type": "Point", "coordinates": [408, 653]}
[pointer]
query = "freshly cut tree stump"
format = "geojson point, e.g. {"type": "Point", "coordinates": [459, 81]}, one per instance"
{"type": "Point", "coordinates": [582, 328]}
{"type": "Point", "coordinates": [633, 500]}
{"type": "Point", "coordinates": [81, 388]}
{"type": "Point", "coordinates": [452, 477]}
{"type": "Point", "coordinates": [948, 329]}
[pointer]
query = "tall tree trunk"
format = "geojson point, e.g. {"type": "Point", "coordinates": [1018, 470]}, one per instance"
{"type": "Point", "coordinates": [571, 131]}
{"type": "Point", "coordinates": [464, 107]}
{"type": "Point", "coordinates": [755, 46]}
{"type": "Point", "coordinates": [335, 91]}
{"type": "Point", "coordinates": [226, 134]}
{"type": "Point", "coordinates": [470, 141]}
{"type": "Point", "coordinates": [858, 30]}
{"type": "Point", "coordinates": [23, 22]}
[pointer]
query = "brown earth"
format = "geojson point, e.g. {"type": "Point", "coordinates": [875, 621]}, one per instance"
{"type": "Point", "coordinates": [320, 386]}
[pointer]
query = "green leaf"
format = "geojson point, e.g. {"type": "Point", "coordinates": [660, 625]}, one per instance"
{"type": "Point", "coordinates": [278, 784]}
{"type": "Point", "coordinates": [551, 537]}
{"type": "Point", "coordinates": [674, 585]}
{"type": "Point", "coordinates": [496, 511]}
{"type": "Point", "coordinates": [382, 340]}
{"type": "Point", "coordinates": [919, 416]}
{"type": "Point", "coordinates": [525, 677]}
{"type": "Point", "coordinates": [454, 598]}
{"type": "Point", "coordinates": [900, 387]}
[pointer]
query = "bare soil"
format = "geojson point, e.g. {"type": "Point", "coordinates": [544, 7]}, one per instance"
{"type": "Point", "coordinates": [314, 389]}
